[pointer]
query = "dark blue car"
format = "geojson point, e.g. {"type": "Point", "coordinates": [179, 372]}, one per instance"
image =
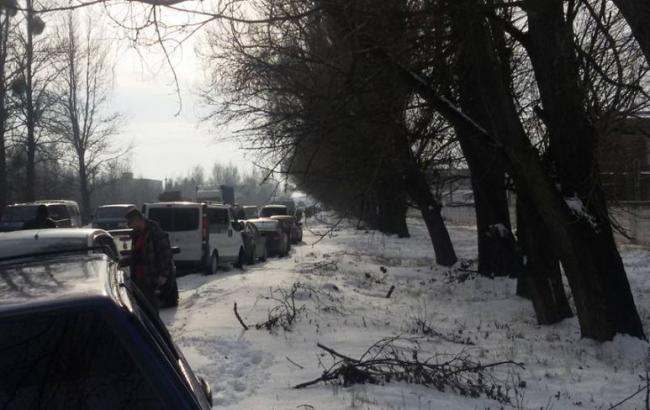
{"type": "Point", "coordinates": [75, 334]}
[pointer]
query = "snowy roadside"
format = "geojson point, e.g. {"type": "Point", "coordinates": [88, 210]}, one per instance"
{"type": "Point", "coordinates": [351, 272]}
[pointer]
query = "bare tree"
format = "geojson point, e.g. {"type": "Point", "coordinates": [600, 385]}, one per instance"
{"type": "Point", "coordinates": [84, 122]}
{"type": "Point", "coordinates": [6, 22]}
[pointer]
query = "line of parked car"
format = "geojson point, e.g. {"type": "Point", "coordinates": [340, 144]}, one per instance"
{"type": "Point", "coordinates": [74, 330]}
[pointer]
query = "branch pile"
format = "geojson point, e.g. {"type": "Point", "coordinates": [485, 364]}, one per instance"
{"type": "Point", "coordinates": [385, 362]}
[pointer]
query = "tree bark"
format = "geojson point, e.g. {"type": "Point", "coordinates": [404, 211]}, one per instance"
{"type": "Point", "coordinates": [637, 14]}
{"type": "Point", "coordinates": [497, 250]}
{"type": "Point", "coordinates": [601, 289]}
{"type": "Point", "coordinates": [541, 280]}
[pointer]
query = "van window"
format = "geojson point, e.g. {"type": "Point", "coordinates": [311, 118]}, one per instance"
{"type": "Point", "coordinates": [176, 219]}
{"type": "Point", "coordinates": [218, 219]}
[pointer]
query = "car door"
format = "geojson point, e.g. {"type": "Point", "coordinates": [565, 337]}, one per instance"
{"type": "Point", "coordinates": [234, 236]}
{"type": "Point", "coordinates": [221, 232]}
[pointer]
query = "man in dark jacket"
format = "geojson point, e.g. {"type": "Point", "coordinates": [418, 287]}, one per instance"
{"type": "Point", "coordinates": [151, 255]}
{"type": "Point", "coordinates": [42, 220]}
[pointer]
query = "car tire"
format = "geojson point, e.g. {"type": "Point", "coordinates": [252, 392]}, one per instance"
{"type": "Point", "coordinates": [241, 259]}
{"type": "Point", "coordinates": [169, 297]}
{"type": "Point", "coordinates": [265, 255]}
{"type": "Point", "coordinates": [213, 265]}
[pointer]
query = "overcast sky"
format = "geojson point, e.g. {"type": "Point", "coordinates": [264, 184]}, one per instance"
{"type": "Point", "coordinates": [166, 144]}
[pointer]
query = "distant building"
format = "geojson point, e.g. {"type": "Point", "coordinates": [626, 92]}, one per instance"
{"type": "Point", "coordinates": [624, 156]}
{"type": "Point", "coordinates": [128, 189]}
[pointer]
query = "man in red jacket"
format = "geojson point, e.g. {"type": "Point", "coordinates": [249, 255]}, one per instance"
{"type": "Point", "coordinates": [151, 257]}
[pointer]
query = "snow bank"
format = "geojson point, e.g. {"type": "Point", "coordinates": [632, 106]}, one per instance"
{"type": "Point", "coordinates": [348, 275]}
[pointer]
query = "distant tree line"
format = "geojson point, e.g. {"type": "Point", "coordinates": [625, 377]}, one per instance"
{"type": "Point", "coordinates": [252, 187]}
{"type": "Point", "coordinates": [56, 122]}
{"type": "Point", "coordinates": [363, 103]}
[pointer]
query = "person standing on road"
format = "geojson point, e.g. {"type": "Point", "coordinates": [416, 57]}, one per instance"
{"type": "Point", "coordinates": [151, 258]}
{"type": "Point", "coordinates": [42, 220]}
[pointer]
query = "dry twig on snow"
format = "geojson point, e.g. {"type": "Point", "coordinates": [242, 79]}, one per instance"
{"type": "Point", "coordinates": [385, 361]}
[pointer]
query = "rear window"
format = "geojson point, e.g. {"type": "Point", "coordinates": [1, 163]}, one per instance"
{"type": "Point", "coordinates": [176, 219]}
{"type": "Point", "coordinates": [266, 225]}
{"type": "Point", "coordinates": [218, 219]}
{"type": "Point", "coordinates": [69, 360]}
{"type": "Point", "coordinates": [274, 210]}
{"type": "Point", "coordinates": [20, 213]}
{"type": "Point", "coordinates": [111, 212]}
{"type": "Point", "coordinates": [58, 212]}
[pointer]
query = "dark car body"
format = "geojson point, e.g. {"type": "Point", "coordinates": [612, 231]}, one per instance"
{"type": "Point", "coordinates": [254, 243]}
{"type": "Point", "coordinates": [47, 240]}
{"type": "Point", "coordinates": [75, 333]}
{"type": "Point", "coordinates": [277, 241]}
{"type": "Point", "coordinates": [110, 217]}
{"type": "Point", "coordinates": [291, 227]}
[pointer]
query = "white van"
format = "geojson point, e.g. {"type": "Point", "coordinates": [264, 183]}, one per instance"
{"type": "Point", "coordinates": [208, 235]}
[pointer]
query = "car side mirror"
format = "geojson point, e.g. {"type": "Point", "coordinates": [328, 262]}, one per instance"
{"type": "Point", "coordinates": [207, 390]}
{"type": "Point", "coordinates": [176, 250]}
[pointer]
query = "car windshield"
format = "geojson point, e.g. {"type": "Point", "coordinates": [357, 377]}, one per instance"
{"type": "Point", "coordinates": [69, 359]}
{"type": "Point", "coordinates": [111, 212]}
{"type": "Point", "coordinates": [35, 278]}
{"type": "Point", "coordinates": [19, 213]}
{"type": "Point", "coordinates": [176, 219]}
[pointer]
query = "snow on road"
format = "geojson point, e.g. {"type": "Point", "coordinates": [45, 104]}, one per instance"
{"type": "Point", "coordinates": [350, 273]}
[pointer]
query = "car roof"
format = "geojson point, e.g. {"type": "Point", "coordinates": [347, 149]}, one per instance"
{"type": "Point", "coordinates": [47, 203]}
{"type": "Point", "coordinates": [287, 217]}
{"type": "Point", "coordinates": [173, 204]}
{"type": "Point", "coordinates": [53, 279]}
{"type": "Point", "coordinates": [59, 233]}
{"type": "Point", "coordinates": [39, 240]}
{"type": "Point", "coordinates": [117, 206]}
{"type": "Point", "coordinates": [275, 206]}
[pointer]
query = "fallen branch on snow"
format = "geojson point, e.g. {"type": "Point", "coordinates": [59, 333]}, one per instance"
{"type": "Point", "coordinates": [385, 361]}
{"type": "Point", "coordinates": [239, 317]}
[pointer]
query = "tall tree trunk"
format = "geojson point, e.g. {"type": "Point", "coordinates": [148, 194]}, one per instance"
{"type": "Point", "coordinates": [30, 172]}
{"type": "Point", "coordinates": [541, 281]}
{"type": "Point", "coordinates": [419, 190]}
{"type": "Point", "coordinates": [84, 190]}
{"type": "Point", "coordinates": [637, 14]}
{"type": "Point", "coordinates": [573, 147]}
{"type": "Point", "coordinates": [4, 39]}
{"type": "Point", "coordinates": [497, 250]}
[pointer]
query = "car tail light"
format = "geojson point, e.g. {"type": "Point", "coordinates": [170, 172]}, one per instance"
{"type": "Point", "coordinates": [205, 228]}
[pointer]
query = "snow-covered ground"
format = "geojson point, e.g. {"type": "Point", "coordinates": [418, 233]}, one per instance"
{"type": "Point", "coordinates": [351, 272]}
